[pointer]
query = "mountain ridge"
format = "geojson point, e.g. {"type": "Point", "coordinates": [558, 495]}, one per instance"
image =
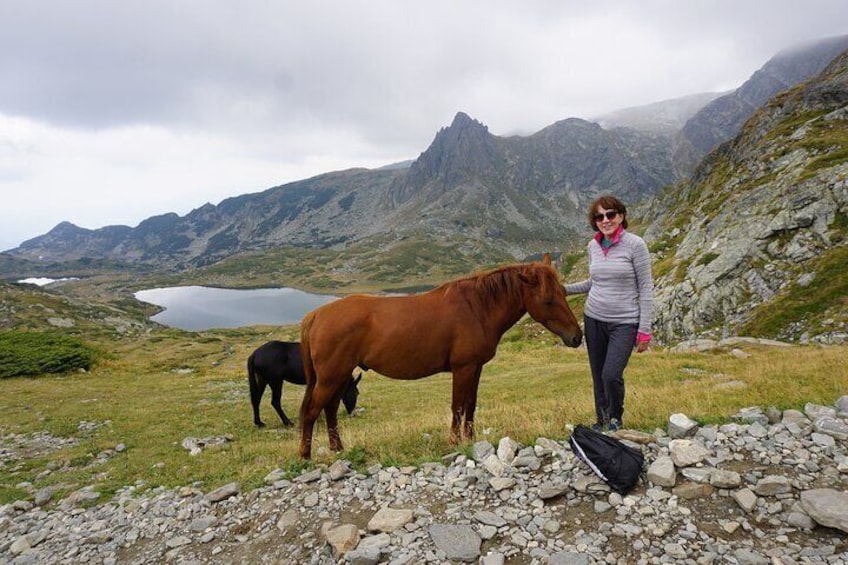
{"type": "Point", "coordinates": [512, 182]}
{"type": "Point", "coordinates": [765, 235]}
{"type": "Point", "coordinates": [473, 198]}
{"type": "Point", "coordinates": [720, 120]}
{"type": "Point", "coordinates": [509, 183]}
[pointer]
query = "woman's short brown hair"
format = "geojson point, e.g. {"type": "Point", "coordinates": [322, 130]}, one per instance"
{"type": "Point", "coordinates": [607, 203]}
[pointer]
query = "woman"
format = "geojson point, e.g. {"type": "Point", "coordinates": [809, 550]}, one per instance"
{"type": "Point", "coordinates": [619, 308]}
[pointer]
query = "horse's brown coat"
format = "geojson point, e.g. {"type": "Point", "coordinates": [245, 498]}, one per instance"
{"type": "Point", "coordinates": [455, 327]}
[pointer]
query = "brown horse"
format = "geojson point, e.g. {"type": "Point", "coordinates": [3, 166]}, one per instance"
{"type": "Point", "coordinates": [455, 327]}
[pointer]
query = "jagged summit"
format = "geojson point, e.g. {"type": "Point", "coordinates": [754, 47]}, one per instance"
{"type": "Point", "coordinates": [463, 130]}
{"type": "Point", "coordinates": [463, 121]}
{"type": "Point", "coordinates": [458, 154]}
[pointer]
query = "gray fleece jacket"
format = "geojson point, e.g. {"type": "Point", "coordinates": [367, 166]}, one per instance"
{"type": "Point", "coordinates": [620, 284]}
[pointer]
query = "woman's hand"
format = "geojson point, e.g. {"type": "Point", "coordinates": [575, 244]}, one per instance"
{"type": "Point", "coordinates": [642, 342]}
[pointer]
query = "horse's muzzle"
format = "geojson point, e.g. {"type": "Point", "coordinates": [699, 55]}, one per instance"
{"type": "Point", "coordinates": [572, 341]}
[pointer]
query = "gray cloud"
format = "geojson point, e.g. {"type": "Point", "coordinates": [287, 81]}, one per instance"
{"type": "Point", "coordinates": [293, 86]}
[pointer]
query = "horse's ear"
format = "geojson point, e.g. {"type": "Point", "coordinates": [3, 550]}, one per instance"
{"type": "Point", "coordinates": [546, 259]}
{"type": "Point", "coordinates": [528, 276]}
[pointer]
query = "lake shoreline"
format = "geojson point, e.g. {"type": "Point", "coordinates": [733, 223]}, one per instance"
{"type": "Point", "coordinates": [199, 308]}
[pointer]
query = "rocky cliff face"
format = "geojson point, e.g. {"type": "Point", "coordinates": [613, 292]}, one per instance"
{"type": "Point", "coordinates": [758, 238]}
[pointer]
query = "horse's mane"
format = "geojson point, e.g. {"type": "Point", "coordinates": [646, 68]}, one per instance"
{"type": "Point", "coordinates": [503, 282]}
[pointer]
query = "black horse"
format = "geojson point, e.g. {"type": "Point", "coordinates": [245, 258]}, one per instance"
{"type": "Point", "coordinates": [278, 361]}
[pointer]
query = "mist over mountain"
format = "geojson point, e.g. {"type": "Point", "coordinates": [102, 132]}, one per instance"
{"type": "Point", "coordinates": [721, 119]}
{"type": "Point", "coordinates": [666, 117]}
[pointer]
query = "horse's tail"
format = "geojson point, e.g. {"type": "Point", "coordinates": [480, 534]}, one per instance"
{"type": "Point", "coordinates": [308, 366]}
{"type": "Point", "coordinates": [251, 378]}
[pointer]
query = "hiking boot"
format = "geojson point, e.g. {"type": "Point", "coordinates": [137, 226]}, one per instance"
{"type": "Point", "coordinates": [598, 427]}
{"type": "Point", "coordinates": [615, 424]}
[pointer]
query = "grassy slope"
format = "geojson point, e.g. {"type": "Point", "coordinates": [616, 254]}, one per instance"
{"type": "Point", "coordinates": [382, 263]}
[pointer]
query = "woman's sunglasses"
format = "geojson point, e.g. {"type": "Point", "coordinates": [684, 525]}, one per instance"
{"type": "Point", "coordinates": [610, 214]}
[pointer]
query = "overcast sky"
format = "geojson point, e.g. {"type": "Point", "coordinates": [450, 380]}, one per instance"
{"type": "Point", "coordinates": [114, 111]}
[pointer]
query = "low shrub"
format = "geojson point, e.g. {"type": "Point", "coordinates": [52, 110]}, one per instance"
{"type": "Point", "coordinates": [36, 353]}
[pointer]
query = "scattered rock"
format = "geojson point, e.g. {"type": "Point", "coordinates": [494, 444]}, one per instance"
{"type": "Point", "coordinates": [746, 499]}
{"type": "Point", "coordinates": [773, 485]}
{"type": "Point", "coordinates": [342, 538]}
{"type": "Point", "coordinates": [686, 452]}
{"type": "Point", "coordinates": [389, 519]}
{"type": "Point", "coordinates": [751, 415]}
{"type": "Point", "coordinates": [662, 472]}
{"type": "Point", "coordinates": [195, 446]}
{"type": "Point", "coordinates": [722, 478]}
{"type": "Point", "coordinates": [223, 492]}
{"type": "Point", "coordinates": [681, 426]}
{"type": "Point", "coordinates": [827, 507]}
{"type": "Point", "coordinates": [458, 542]}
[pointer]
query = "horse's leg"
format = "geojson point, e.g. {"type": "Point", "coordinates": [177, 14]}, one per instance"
{"type": "Point", "coordinates": [331, 412]}
{"type": "Point", "coordinates": [276, 398]}
{"type": "Point", "coordinates": [308, 415]}
{"type": "Point", "coordinates": [256, 392]}
{"type": "Point", "coordinates": [471, 405]}
{"type": "Point", "coordinates": [456, 419]}
{"type": "Point", "coordinates": [465, 381]}
{"type": "Point", "coordinates": [313, 402]}
{"type": "Point", "coordinates": [257, 387]}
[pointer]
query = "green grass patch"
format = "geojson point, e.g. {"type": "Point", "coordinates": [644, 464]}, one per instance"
{"type": "Point", "coordinates": [570, 261]}
{"type": "Point", "coordinates": [707, 258]}
{"type": "Point", "coordinates": [37, 353]}
{"type": "Point", "coordinates": [828, 290]}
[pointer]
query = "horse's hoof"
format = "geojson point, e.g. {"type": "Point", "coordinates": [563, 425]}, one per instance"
{"type": "Point", "coordinates": [259, 424]}
{"type": "Point", "coordinates": [288, 424]}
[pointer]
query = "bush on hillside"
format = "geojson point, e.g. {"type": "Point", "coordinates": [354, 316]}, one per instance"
{"type": "Point", "coordinates": [34, 353]}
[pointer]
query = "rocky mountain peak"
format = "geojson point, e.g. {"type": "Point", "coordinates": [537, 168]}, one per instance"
{"type": "Point", "coordinates": [464, 122]}
{"type": "Point", "coordinates": [60, 232]}
{"type": "Point", "coordinates": [63, 229]}
{"type": "Point", "coordinates": [459, 153]}
{"type": "Point", "coordinates": [462, 135]}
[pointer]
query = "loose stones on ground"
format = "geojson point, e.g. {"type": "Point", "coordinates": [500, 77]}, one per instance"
{"type": "Point", "coordinates": [768, 488]}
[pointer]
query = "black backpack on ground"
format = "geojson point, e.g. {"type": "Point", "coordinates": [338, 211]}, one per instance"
{"type": "Point", "coordinates": [616, 463]}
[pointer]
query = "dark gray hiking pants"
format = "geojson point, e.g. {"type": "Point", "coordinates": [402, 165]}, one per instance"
{"type": "Point", "coordinates": [609, 346]}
